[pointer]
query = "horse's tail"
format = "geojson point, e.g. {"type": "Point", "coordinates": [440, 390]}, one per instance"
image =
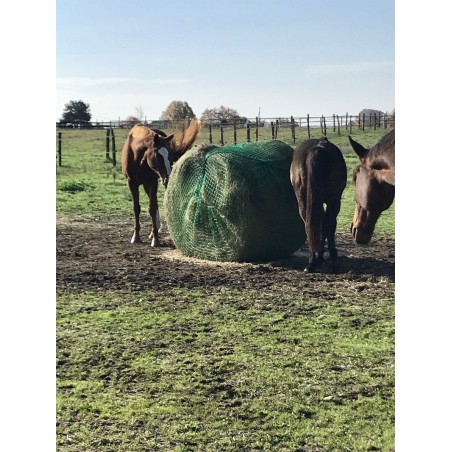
{"type": "Point", "coordinates": [187, 139]}
{"type": "Point", "coordinates": [315, 164]}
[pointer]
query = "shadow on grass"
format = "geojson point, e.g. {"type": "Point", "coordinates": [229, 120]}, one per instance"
{"type": "Point", "coordinates": [352, 265]}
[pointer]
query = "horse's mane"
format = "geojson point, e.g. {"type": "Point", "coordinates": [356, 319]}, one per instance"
{"type": "Point", "coordinates": [385, 145]}
{"type": "Point", "coordinates": [382, 155]}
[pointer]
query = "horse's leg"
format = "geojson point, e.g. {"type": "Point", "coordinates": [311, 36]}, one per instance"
{"type": "Point", "coordinates": [301, 198]}
{"type": "Point", "coordinates": [312, 260]}
{"type": "Point", "coordinates": [151, 190]}
{"type": "Point", "coordinates": [332, 212]}
{"type": "Point", "coordinates": [134, 189]}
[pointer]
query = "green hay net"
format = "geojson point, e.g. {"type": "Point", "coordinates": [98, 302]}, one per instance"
{"type": "Point", "coordinates": [234, 203]}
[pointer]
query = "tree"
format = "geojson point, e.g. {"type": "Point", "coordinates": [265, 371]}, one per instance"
{"type": "Point", "coordinates": [132, 118]}
{"type": "Point", "coordinates": [222, 114]}
{"type": "Point", "coordinates": [369, 115]}
{"type": "Point", "coordinates": [76, 111]}
{"type": "Point", "coordinates": [178, 110]}
{"type": "Point", "coordinates": [139, 113]}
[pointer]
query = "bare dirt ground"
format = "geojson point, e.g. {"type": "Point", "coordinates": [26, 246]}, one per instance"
{"type": "Point", "coordinates": [95, 256]}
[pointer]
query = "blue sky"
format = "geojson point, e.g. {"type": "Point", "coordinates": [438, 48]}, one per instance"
{"type": "Point", "coordinates": [291, 57]}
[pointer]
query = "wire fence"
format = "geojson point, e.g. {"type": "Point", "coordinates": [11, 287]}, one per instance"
{"type": "Point", "coordinates": [228, 132]}
{"type": "Point", "coordinates": [360, 121]}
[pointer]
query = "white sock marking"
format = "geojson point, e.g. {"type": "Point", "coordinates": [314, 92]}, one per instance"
{"type": "Point", "coordinates": [164, 153]}
{"type": "Point", "coordinates": [157, 220]}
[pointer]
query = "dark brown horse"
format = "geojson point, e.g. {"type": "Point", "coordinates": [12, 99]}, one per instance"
{"type": "Point", "coordinates": [374, 180]}
{"type": "Point", "coordinates": [147, 156]}
{"type": "Point", "coordinates": [319, 175]}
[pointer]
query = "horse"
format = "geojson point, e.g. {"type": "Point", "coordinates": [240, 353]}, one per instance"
{"type": "Point", "coordinates": [147, 156]}
{"type": "Point", "coordinates": [374, 180]}
{"type": "Point", "coordinates": [319, 175]}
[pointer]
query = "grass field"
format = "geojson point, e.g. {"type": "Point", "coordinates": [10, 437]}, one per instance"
{"type": "Point", "coordinates": [186, 370]}
{"type": "Point", "coordinates": [271, 359]}
{"type": "Point", "coordinates": [88, 184]}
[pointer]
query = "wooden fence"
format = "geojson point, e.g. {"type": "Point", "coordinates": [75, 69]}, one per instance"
{"type": "Point", "coordinates": [360, 121]}
{"type": "Point", "coordinates": [251, 129]}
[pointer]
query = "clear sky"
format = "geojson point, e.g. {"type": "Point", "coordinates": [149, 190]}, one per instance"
{"type": "Point", "coordinates": [288, 57]}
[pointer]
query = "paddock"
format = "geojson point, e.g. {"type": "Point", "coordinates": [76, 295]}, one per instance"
{"type": "Point", "coordinates": [186, 354]}
{"type": "Point", "coordinates": [160, 351]}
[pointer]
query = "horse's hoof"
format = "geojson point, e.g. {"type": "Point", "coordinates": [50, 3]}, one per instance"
{"type": "Point", "coordinates": [155, 243]}
{"type": "Point", "coordinates": [309, 270]}
{"type": "Point", "coordinates": [333, 267]}
{"type": "Point", "coordinates": [136, 240]}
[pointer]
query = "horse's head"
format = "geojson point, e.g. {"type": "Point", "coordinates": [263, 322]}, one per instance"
{"type": "Point", "coordinates": [372, 196]}
{"type": "Point", "coordinates": [153, 148]}
{"type": "Point", "coordinates": [374, 193]}
{"type": "Point", "coordinates": [159, 155]}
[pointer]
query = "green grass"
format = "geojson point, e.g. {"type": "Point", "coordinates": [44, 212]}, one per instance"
{"type": "Point", "coordinates": [214, 369]}
{"type": "Point", "coordinates": [103, 192]}
{"type": "Point", "coordinates": [189, 370]}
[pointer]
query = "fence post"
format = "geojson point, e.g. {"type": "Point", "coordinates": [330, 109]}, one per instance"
{"type": "Point", "coordinates": [350, 126]}
{"type": "Point", "coordinates": [375, 121]}
{"type": "Point", "coordinates": [276, 129]}
{"type": "Point", "coordinates": [210, 133]}
{"type": "Point", "coordinates": [334, 122]}
{"type": "Point", "coordinates": [346, 121]}
{"type": "Point", "coordinates": [338, 126]}
{"type": "Point", "coordinates": [221, 135]}
{"type": "Point", "coordinates": [364, 121]}
{"type": "Point", "coordinates": [307, 122]}
{"type": "Point", "coordinates": [273, 130]}
{"type": "Point", "coordinates": [248, 139]}
{"type": "Point", "coordinates": [59, 148]}
{"type": "Point", "coordinates": [292, 126]}
{"type": "Point", "coordinates": [113, 147]}
{"type": "Point", "coordinates": [107, 145]}
{"type": "Point", "coordinates": [257, 128]}
{"type": "Point", "coordinates": [235, 131]}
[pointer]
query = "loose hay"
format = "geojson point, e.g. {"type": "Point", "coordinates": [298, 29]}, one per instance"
{"type": "Point", "coordinates": [234, 203]}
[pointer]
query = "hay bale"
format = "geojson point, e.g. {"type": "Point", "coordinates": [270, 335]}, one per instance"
{"type": "Point", "coordinates": [234, 203]}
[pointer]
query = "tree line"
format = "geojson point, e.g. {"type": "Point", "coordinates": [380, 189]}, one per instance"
{"type": "Point", "coordinates": [78, 113]}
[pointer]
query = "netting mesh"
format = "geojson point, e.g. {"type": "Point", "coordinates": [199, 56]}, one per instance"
{"type": "Point", "coordinates": [234, 203]}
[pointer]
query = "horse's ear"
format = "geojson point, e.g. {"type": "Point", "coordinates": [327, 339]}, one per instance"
{"type": "Point", "coordinates": [360, 150]}
{"type": "Point", "coordinates": [385, 175]}
{"type": "Point", "coordinates": [158, 139]}
{"type": "Point", "coordinates": [169, 138]}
